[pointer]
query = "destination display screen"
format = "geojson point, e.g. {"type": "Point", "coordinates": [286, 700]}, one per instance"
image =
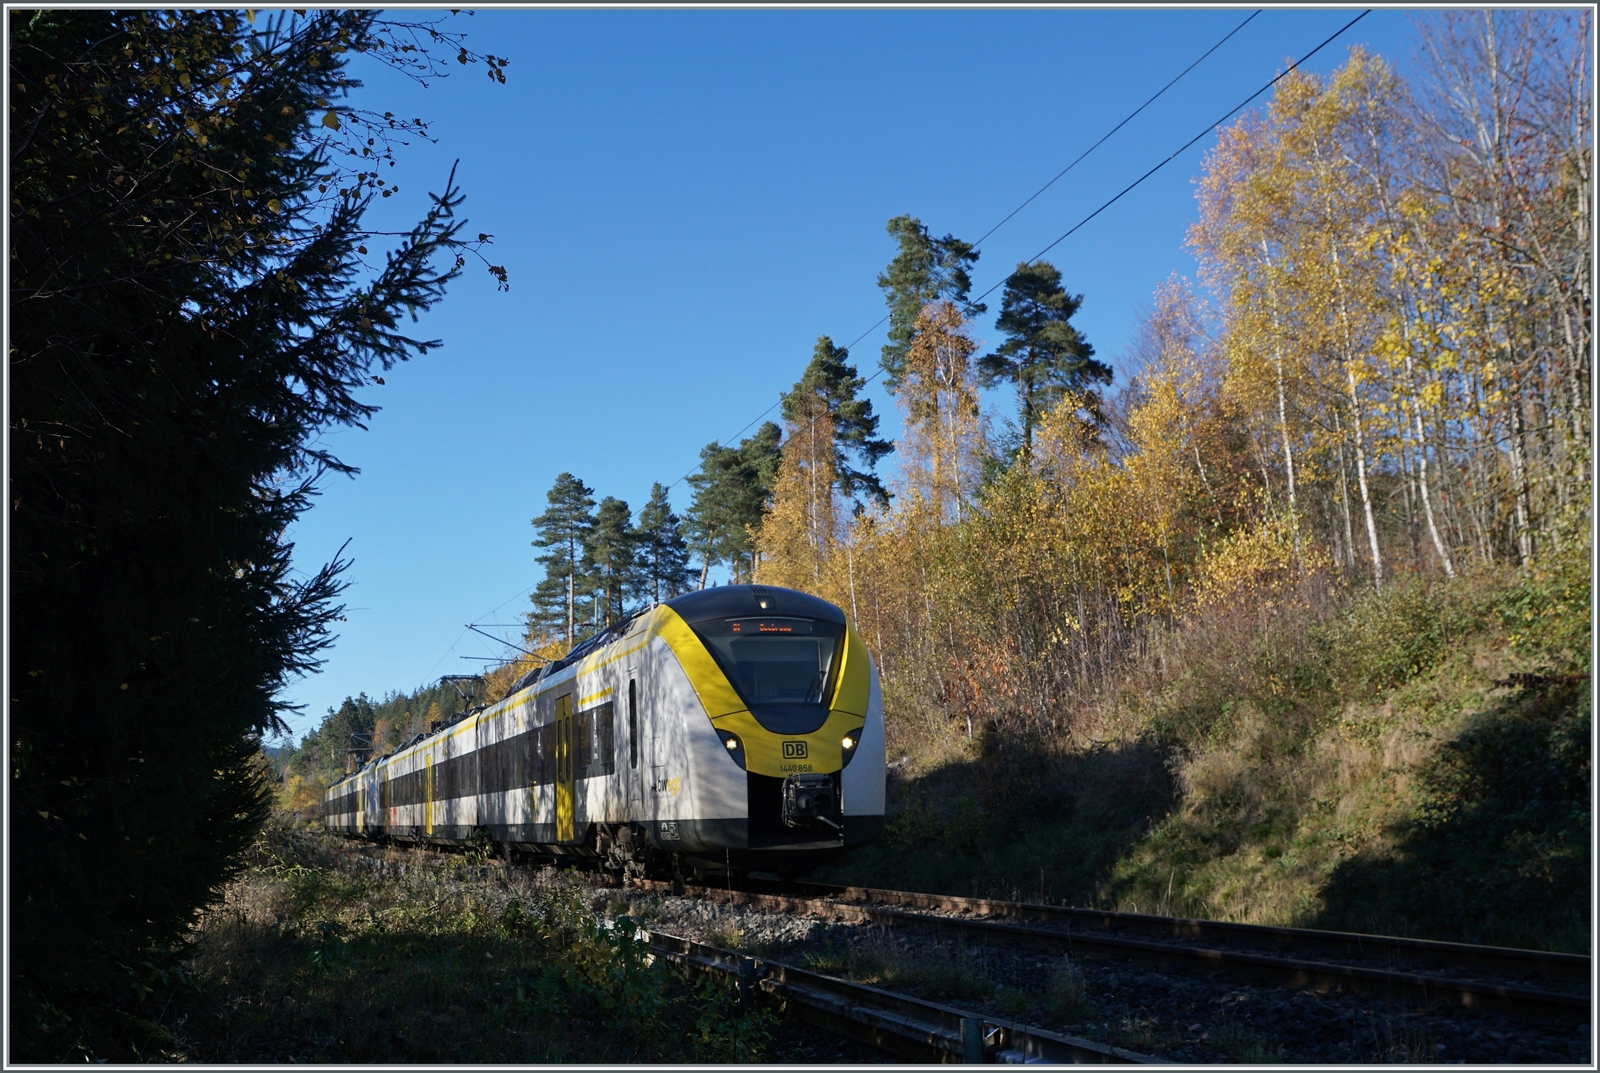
{"type": "Point", "coordinates": [744, 627]}
{"type": "Point", "coordinates": [775, 660]}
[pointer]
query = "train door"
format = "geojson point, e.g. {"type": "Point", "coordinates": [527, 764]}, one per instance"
{"type": "Point", "coordinates": [535, 759]}
{"type": "Point", "coordinates": [374, 794]}
{"type": "Point", "coordinates": [637, 765]}
{"type": "Point", "coordinates": [427, 792]}
{"type": "Point", "coordinates": [656, 777]}
{"type": "Point", "coordinates": [565, 789]}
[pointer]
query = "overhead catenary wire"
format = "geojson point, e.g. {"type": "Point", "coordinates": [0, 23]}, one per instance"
{"type": "Point", "coordinates": [1152, 99]}
{"type": "Point", "coordinates": [1029, 200]}
{"type": "Point", "coordinates": [1114, 198]}
{"type": "Point", "coordinates": [463, 633]}
{"type": "Point", "coordinates": [1075, 227]}
{"type": "Point", "coordinates": [503, 641]}
{"type": "Point", "coordinates": [1179, 151]}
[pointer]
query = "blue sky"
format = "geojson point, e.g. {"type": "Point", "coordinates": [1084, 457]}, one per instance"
{"type": "Point", "coordinates": [685, 200]}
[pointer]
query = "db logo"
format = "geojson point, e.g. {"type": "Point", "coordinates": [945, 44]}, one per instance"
{"type": "Point", "coordinates": [794, 750]}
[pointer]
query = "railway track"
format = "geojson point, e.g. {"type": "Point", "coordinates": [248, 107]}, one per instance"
{"type": "Point", "coordinates": [1520, 984]}
{"type": "Point", "coordinates": [912, 1028]}
{"type": "Point", "coordinates": [942, 948]}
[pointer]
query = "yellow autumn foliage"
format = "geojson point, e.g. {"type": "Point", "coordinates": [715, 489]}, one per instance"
{"type": "Point", "coordinates": [1379, 390]}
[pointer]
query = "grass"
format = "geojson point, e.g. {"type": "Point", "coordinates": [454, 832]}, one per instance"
{"type": "Point", "coordinates": [931, 970]}
{"type": "Point", "coordinates": [318, 954]}
{"type": "Point", "coordinates": [955, 972]}
{"type": "Point", "coordinates": [1066, 998]}
{"type": "Point", "coordinates": [1413, 761]}
{"type": "Point", "coordinates": [1243, 1044]}
{"type": "Point", "coordinates": [955, 827]}
{"type": "Point", "coordinates": [1399, 1040]}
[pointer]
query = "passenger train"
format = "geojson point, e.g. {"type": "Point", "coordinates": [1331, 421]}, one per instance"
{"type": "Point", "coordinates": [737, 728]}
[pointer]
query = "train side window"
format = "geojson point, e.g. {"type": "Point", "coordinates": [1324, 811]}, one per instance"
{"type": "Point", "coordinates": [633, 723]}
{"type": "Point", "coordinates": [544, 743]}
{"type": "Point", "coordinates": [583, 743]}
{"type": "Point", "coordinates": [605, 740]}
{"type": "Point", "coordinates": [516, 760]}
{"type": "Point", "coordinates": [594, 739]}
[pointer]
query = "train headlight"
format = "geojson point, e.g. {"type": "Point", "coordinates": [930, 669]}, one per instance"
{"type": "Point", "coordinates": [847, 748]}
{"type": "Point", "coordinates": [735, 747]}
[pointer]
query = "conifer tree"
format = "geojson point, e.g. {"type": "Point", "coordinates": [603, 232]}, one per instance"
{"type": "Point", "coordinates": [662, 569]}
{"type": "Point", "coordinates": [191, 305]}
{"type": "Point", "coordinates": [1043, 356]}
{"type": "Point", "coordinates": [730, 493]}
{"type": "Point", "coordinates": [564, 529]}
{"type": "Point", "coordinates": [608, 559]}
{"type": "Point", "coordinates": [347, 735]}
{"type": "Point", "coordinates": [831, 384]}
{"type": "Point", "coordinates": [926, 269]}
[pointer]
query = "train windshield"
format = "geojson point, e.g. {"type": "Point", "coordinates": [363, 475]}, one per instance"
{"type": "Point", "coordinates": [775, 660]}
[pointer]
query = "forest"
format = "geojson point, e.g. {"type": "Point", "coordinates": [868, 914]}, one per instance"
{"type": "Point", "coordinates": [1381, 373]}
{"type": "Point", "coordinates": [1279, 614]}
{"type": "Point", "coordinates": [1347, 465]}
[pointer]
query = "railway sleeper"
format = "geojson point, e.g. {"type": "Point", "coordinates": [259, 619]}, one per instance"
{"type": "Point", "coordinates": [1521, 1003]}
{"type": "Point", "coordinates": [910, 1028]}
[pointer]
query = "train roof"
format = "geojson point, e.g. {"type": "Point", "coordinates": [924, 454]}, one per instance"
{"type": "Point", "coordinates": [724, 601]}
{"type": "Point", "coordinates": [727, 601]}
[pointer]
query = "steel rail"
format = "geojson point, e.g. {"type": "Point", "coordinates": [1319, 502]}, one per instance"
{"type": "Point", "coordinates": [1355, 945]}
{"type": "Point", "coordinates": [1407, 987]}
{"type": "Point", "coordinates": [910, 1027]}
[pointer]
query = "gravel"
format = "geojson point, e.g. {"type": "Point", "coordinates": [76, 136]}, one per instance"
{"type": "Point", "coordinates": [1177, 1016]}
{"type": "Point", "coordinates": [1182, 1017]}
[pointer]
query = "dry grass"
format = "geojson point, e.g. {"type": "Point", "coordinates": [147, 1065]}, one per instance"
{"type": "Point", "coordinates": [322, 952]}
{"type": "Point", "coordinates": [1303, 758]}
{"type": "Point", "coordinates": [1245, 1045]}
{"type": "Point", "coordinates": [1268, 760]}
{"type": "Point", "coordinates": [1066, 998]}
{"type": "Point", "coordinates": [933, 970]}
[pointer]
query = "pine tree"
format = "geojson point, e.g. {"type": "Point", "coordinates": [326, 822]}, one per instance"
{"type": "Point", "coordinates": [608, 559]}
{"type": "Point", "coordinates": [346, 737]}
{"type": "Point", "coordinates": [1044, 356]}
{"type": "Point", "coordinates": [925, 270]}
{"type": "Point", "coordinates": [831, 384]}
{"type": "Point", "coordinates": [662, 570]}
{"type": "Point", "coordinates": [730, 493]}
{"type": "Point", "coordinates": [191, 307]}
{"type": "Point", "coordinates": [563, 528]}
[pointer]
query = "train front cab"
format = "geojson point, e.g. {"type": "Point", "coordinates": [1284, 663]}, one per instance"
{"type": "Point", "coordinates": [793, 703]}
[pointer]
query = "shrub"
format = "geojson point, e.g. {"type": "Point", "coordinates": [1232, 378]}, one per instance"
{"type": "Point", "coordinates": [326, 952]}
{"type": "Point", "coordinates": [1499, 847]}
{"type": "Point", "coordinates": [1066, 996]}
